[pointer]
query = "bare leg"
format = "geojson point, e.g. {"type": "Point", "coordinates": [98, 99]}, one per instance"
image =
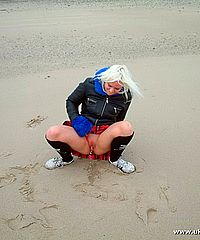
{"type": "Point", "coordinates": [103, 144]}
{"type": "Point", "coordinates": [69, 136]}
{"type": "Point", "coordinates": [100, 144]}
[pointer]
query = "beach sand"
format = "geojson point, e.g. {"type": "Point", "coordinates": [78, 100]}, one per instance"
{"type": "Point", "coordinates": [46, 50]}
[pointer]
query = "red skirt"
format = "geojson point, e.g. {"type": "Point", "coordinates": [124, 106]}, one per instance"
{"type": "Point", "coordinates": [95, 130]}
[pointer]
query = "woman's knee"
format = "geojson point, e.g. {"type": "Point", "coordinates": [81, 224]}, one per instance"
{"type": "Point", "coordinates": [53, 133]}
{"type": "Point", "coordinates": [126, 128]}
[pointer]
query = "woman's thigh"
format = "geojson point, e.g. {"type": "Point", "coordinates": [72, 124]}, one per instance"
{"type": "Point", "coordinates": [103, 143]}
{"type": "Point", "coordinates": [69, 136]}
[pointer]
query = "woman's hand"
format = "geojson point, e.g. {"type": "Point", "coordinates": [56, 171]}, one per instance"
{"type": "Point", "coordinates": [82, 125]}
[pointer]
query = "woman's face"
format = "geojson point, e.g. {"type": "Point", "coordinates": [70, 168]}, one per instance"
{"type": "Point", "coordinates": [112, 87]}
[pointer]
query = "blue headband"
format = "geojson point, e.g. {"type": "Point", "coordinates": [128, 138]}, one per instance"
{"type": "Point", "coordinates": [97, 82]}
{"type": "Point", "coordinates": [100, 71]}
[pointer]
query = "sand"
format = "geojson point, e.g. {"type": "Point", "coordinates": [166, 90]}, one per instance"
{"type": "Point", "coordinates": [47, 48]}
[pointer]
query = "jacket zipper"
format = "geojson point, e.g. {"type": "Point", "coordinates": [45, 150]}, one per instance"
{"type": "Point", "coordinates": [104, 106]}
{"type": "Point", "coordinates": [103, 109]}
{"type": "Point", "coordinates": [91, 100]}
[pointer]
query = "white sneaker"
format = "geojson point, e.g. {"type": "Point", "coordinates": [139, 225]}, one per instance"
{"type": "Point", "coordinates": [124, 166]}
{"type": "Point", "coordinates": [56, 162]}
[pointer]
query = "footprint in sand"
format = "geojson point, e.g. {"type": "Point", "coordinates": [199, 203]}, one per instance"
{"type": "Point", "coordinates": [28, 170]}
{"type": "Point", "coordinates": [143, 201]}
{"type": "Point", "coordinates": [7, 179]}
{"type": "Point", "coordinates": [146, 214]}
{"type": "Point", "coordinates": [44, 218]}
{"type": "Point", "coordinates": [165, 194]}
{"type": "Point", "coordinates": [19, 222]}
{"type": "Point", "coordinates": [35, 121]}
{"type": "Point", "coordinates": [10, 177]}
{"type": "Point", "coordinates": [140, 210]}
{"type": "Point", "coordinates": [5, 154]}
{"type": "Point", "coordinates": [47, 215]}
{"type": "Point", "coordinates": [152, 215]}
{"type": "Point", "coordinates": [26, 189]}
{"type": "Point", "coordinates": [91, 191]}
{"type": "Point", "coordinates": [100, 192]}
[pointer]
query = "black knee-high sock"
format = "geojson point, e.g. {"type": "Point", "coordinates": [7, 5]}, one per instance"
{"type": "Point", "coordinates": [63, 149]}
{"type": "Point", "coordinates": [118, 145]}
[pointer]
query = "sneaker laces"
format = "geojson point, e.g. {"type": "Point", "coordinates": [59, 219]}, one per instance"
{"type": "Point", "coordinates": [58, 162]}
{"type": "Point", "coordinates": [122, 163]}
{"type": "Point", "coordinates": [124, 166]}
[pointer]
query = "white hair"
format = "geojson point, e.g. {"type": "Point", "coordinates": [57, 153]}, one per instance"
{"type": "Point", "coordinates": [121, 74]}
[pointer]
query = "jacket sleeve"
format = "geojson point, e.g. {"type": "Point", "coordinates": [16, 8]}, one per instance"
{"type": "Point", "coordinates": [75, 99]}
{"type": "Point", "coordinates": [123, 113]}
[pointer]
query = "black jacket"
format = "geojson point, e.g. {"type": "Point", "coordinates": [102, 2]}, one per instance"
{"type": "Point", "coordinates": [99, 109]}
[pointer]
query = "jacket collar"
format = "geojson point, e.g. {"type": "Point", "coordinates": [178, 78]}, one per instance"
{"type": "Point", "coordinates": [98, 87]}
